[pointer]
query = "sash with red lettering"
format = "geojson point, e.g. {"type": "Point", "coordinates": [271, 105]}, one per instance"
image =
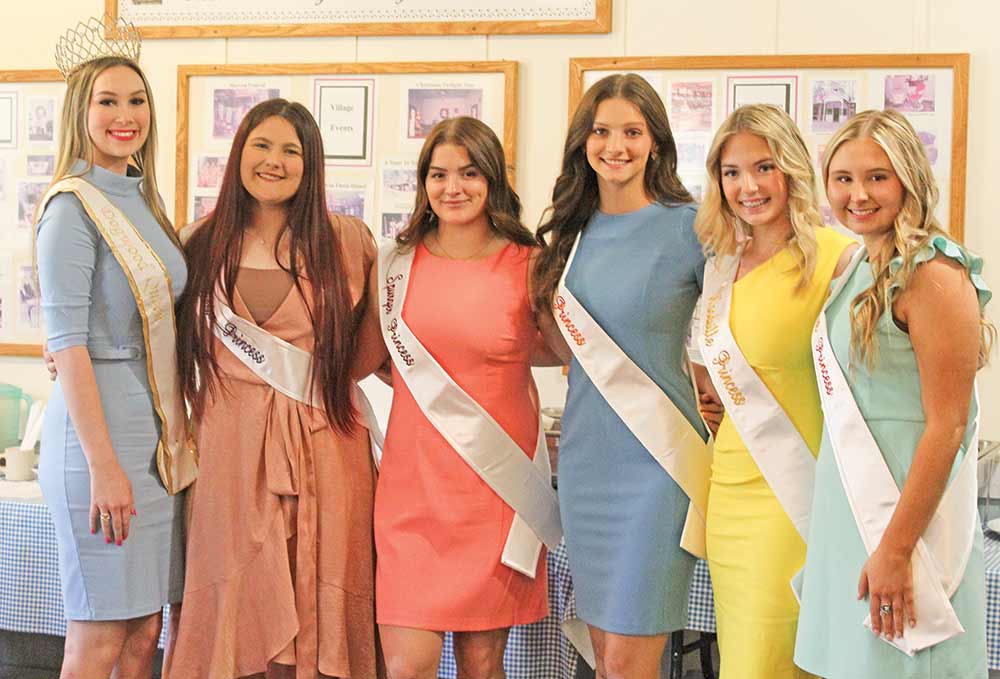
{"type": "Point", "coordinates": [524, 483]}
{"type": "Point", "coordinates": [775, 444]}
{"type": "Point", "coordinates": [942, 553]}
{"type": "Point", "coordinates": [642, 405]}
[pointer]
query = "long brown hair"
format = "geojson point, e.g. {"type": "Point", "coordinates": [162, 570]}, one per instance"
{"type": "Point", "coordinates": [503, 207]}
{"type": "Point", "coordinates": [214, 254]}
{"type": "Point", "coordinates": [575, 197]}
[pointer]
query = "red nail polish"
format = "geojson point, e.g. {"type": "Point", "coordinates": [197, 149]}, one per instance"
{"type": "Point", "coordinates": [133, 513]}
{"type": "Point", "coordinates": [93, 530]}
{"type": "Point", "coordinates": [107, 541]}
{"type": "Point", "coordinates": [119, 543]}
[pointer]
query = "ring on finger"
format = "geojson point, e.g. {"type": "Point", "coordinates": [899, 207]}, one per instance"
{"type": "Point", "coordinates": [885, 609]}
{"type": "Point", "coordinates": [105, 517]}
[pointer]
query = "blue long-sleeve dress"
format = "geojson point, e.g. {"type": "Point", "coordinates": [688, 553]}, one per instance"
{"type": "Point", "coordinates": [86, 301]}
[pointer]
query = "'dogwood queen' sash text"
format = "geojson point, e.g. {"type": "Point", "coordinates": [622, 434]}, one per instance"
{"type": "Point", "coordinates": [176, 457]}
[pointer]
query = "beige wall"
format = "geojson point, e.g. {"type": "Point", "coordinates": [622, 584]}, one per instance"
{"type": "Point", "coordinates": [641, 27]}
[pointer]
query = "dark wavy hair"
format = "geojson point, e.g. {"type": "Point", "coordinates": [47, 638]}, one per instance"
{"type": "Point", "coordinates": [575, 196]}
{"type": "Point", "coordinates": [503, 207]}
{"type": "Point", "coordinates": [213, 253]}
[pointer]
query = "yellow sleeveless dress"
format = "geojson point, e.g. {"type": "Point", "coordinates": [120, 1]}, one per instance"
{"type": "Point", "coordinates": [753, 548]}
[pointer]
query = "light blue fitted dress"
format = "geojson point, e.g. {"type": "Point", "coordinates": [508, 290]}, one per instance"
{"type": "Point", "coordinates": [831, 640]}
{"type": "Point", "coordinates": [639, 275]}
{"type": "Point", "coordinates": [86, 301]}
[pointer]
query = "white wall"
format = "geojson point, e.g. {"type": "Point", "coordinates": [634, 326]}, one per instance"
{"type": "Point", "coordinates": [641, 27]}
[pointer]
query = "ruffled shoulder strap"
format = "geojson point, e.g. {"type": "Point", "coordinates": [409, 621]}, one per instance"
{"type": "Point", "coordinates": [949, 248]}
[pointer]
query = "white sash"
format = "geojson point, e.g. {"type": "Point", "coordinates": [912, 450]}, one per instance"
{"type": "Point", "coordinates": [641, 404]}
{"type": "Point", "coordinates": [941, 555]}
{"type": "Point", "coordinates": [777, 447]}
{"type": "Point", "coordinates": [176, 457]}
{"type": "Point", "coordinates": [284, 366]}
{"type": "Point", "coordinates": [524, 484]}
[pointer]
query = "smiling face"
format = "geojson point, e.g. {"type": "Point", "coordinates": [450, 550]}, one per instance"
{"type": "Point", "coordinates": [456, 189]}
{"type": "Point", "coordinates": [271, 163]}
{"type": "Point", "coordinates": [864, 191]}
{"type": "Point", "coordinates": [118, 117]}
{"type": "Point", "coordinates": [619, 145]}
{"type": "Point", "coordinates": [756, 190]}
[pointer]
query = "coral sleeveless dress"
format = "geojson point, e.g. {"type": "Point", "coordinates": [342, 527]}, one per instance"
{"type": "Point", "coordinates": [753, 548]}
{"type": "Point", "coordinates": [439, 529]}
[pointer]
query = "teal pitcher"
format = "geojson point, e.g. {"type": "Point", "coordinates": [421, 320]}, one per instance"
{"type": "Point", "coordinates": [11, 399]}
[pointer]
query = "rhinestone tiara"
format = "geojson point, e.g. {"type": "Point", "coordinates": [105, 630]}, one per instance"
{"type": "Point", "coordinates": [87, 42]}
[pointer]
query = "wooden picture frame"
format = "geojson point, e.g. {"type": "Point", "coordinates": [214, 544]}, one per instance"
{"type": "Point", "coordinates": [17, 244]}
{"type": "Point", "coordinates": [470, 21]}
{"type": "Point", "coordinates": [815, 68]}
{"type": "Point", "coordinates": [390, 82]}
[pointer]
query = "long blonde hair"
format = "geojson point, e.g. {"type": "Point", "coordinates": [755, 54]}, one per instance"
{"type": "Point", "coordinates": [915, 225]}
{"type": "Point", "coordinates": [75, 142]}
{"type": "Point", "coordinates": [716, 225]}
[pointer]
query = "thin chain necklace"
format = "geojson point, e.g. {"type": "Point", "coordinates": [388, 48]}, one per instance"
{"type": "Point", "coordinates": [437, 241]}
{"type": "Point", "coordinates": [260, 239]}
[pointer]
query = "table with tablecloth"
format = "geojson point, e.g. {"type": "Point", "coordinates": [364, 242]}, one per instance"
{"type": "Point", "coordinates": [30, 598]}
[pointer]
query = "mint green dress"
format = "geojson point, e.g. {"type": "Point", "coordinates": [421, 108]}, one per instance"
{"type": "Point", "coordinates": [831, 641]}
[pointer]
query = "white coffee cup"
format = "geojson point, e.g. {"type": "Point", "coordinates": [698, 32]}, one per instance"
{"type": "Point", "coordinates": [19, 464]}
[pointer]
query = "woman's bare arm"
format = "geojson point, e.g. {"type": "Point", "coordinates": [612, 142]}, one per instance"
{"type": "Point", "coordinates": [941, 312]}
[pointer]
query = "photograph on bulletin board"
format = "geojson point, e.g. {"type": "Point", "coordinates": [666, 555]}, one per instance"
{"type": "Point", "coordinates": [820, 93]}
{"type": "Point", "coordinates": [372, 118]}
{"type": "Point", "coordinates": [30, 104]}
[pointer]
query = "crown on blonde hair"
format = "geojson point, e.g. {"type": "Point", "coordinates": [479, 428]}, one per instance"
{"type": "Point", "coordinates": [87, 42]}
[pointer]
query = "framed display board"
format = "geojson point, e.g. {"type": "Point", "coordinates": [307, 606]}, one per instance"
{"type": "Point", "coordinates": [266, 18]}
{"type": "Point", "coordinates": [820, 92]}
{"type": "Point", "coordinates": [373, 118]}
{"type": "Point", "coordinates": [30, 106]}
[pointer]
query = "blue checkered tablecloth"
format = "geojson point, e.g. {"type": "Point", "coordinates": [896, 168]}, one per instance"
{"type": "Point", "coordinates": [30, 596]}
{"type": "Point", "coordinates": [31, 601]}
{"type": "Point", "coordinates": [991, 552]}
{"type": "Point", "coordinates": [541, 651]}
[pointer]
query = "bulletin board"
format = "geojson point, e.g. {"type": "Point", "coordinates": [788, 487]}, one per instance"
{"type": "Point", "coordinates": [30, 106]}
{"type": "Point", "coordinates": [373, 118]}
{"type": "Point", "coordinates": [267, 18]}
{"type": "Point", "coordinates": [820, 92]}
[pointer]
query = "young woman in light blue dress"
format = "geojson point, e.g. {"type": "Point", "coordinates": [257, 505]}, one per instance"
{"type": "Point", "coordinates": [908, 332]}
{"type": "Point", "coordinates": [638, 272]}
{"type": "Point", "coordinates": [118, 530]}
